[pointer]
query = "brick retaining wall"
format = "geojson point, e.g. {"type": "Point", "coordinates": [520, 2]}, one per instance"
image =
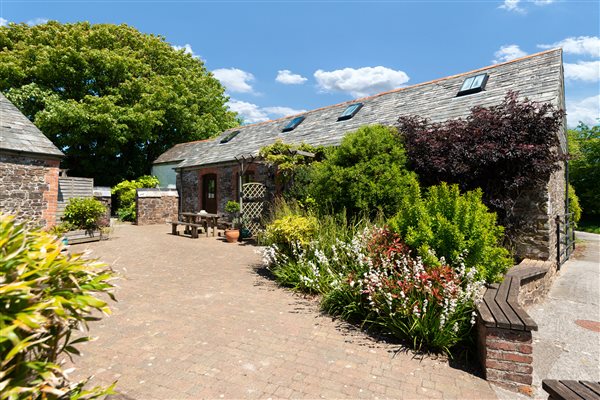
{"type": "Point", "coordinates": [506, 354]}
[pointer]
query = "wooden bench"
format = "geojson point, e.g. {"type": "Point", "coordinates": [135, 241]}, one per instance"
{"type": "Point", "coordinates": [571, 390]}
{"type": "Point", "coordinates": [500, 306]}
{"type": "Point", "coordinates": [193, 227]}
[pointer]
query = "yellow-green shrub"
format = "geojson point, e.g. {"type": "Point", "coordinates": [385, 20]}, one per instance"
{"type": "Point", "coordinates": [45, 296]}
{"type": "Point", "coordinates": [291, 229]}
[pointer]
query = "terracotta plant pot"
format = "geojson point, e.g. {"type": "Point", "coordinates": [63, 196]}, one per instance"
{"type": "Point", "coordinates": [232, 235]}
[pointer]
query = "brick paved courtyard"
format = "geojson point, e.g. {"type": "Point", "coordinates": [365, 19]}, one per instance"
{"type": "Point", "coordinates": [194, 320]}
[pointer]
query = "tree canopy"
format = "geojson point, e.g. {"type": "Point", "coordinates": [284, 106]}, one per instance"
{"type": "Point", "coordinates": [584, 173]}
{"type": "Point", "coordinates": [110, 97]}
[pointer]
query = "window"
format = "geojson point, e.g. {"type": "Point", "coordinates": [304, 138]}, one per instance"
{"type": "Point", "coordinates": [229, 137]}
{"type": "Point", "coordinates": [473, 84]}
{"type": "Point", "coordinates": [350, 111]}
{"type": "Point", "coordinates": [293, 124]}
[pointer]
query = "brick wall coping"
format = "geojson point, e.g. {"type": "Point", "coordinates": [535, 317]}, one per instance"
{"type": "Point", "coordinates": [500, 306]}
{"type": "Point", "coordinates": [155, 192]}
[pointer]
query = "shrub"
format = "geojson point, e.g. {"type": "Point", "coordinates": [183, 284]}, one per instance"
{"type": "Point", "coordinates": [445, 226]}
{"type": "Point", "coordinates": [574, 205]}
{"type": "Point", "coordinates": [366, 173]}
{"type": "Point", "coordinates": [505, 150]}
{"type": "Point", "coordinates": [291, 230]}
{"type": "Point", "coordinates": [232, 207]}
{"type": "Point", "coordinates": [84, 213]}
{"type": "Point", "coordinates": [125, 192]}
{"type": "Point", "coordinates": [46, 298]}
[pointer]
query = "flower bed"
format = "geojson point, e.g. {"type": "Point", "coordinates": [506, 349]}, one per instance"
{"type": "Point", "coordinates": [372, 277]}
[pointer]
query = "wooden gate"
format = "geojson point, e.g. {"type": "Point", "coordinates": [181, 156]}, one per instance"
{"type": "Point", "coordinates": [253, 206]}
{"type": "Point", "coordinates": [565, 238]}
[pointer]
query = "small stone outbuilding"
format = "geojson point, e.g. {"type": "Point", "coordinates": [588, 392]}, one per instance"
{"type": "Point", "coordinates": [29, 169]}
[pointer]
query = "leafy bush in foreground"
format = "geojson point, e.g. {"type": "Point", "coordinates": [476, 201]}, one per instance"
{"type": "Point", "coordinates": [46, 297]}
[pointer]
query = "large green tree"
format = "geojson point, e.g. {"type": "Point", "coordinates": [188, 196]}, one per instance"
{"type": "Point", "coordinates": [112, 98]}
{"type": "Point", "coordinates": [584, 167]}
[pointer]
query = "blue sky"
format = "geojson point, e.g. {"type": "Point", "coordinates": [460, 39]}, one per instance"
{"type": "Point", "coordinates": [281, 57]}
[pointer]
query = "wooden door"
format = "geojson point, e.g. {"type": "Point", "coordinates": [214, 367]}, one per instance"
{"type": "Point", "coordinates": [209, 193]}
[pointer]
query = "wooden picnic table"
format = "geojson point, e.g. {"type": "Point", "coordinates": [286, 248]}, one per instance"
{"type": "Point", "coordinates": [202, 219]}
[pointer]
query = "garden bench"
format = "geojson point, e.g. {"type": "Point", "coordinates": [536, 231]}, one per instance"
{"type": "Point", "coordinates": [192, 227]}
{"type": "Point", "coordinates": [571, 390]}
{"type": "Point", "coordinates": [500, 307]}
{"type": "Point", "coordinates": [505, 329]}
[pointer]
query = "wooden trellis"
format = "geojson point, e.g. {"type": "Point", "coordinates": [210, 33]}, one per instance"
{"type": "Point", "coordinates": [253, 206]}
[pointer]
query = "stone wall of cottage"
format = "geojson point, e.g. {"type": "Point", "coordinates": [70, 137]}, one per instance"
{"type": "Point", "coordinates": [540, 207]}
{"type": "Point", "coordinates": [189, 190]}
{"type": "Point", "coordinates": [29, 188]}
{"type": "Point", "coordinates": [156, 206]}
{"type": "Point", "coordinates": [190, 184]}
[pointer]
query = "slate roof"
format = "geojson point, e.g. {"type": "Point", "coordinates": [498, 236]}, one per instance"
{"type": "Point", "coordinates": [18, 133]}
{"type": "Point", "coordinates": [538, 77]}
{"type": "Point", "coordinates": [181, 151]}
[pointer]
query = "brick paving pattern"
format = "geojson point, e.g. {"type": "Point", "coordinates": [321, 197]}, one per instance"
{"type": "Point", "coordinates": [194, 320]}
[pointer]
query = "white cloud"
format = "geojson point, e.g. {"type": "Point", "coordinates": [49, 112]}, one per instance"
{"type": "Point", "coordinates": [37, 21]}
{"type": "Point", "coordinates": [3, 22]}
{"type": "Point", "coordinates": [588, 71]}
{"type": "Point", "coordinates": [362, 81]}
{"type": "Point", "coordinates": [507, 53]}
{"type": "Point", "coordinates": [251, 113]}
{"type": "Point", "coordinates": [586, 111]}
{"type": "Point", "coordinates": [287, 78]}
{"type": "Point", "coordinates": [587, 45]}
{"type": "Point", "coordinates": [282, 111]}
{"type": "Point", "coordinates": [235, 80]}
{"type": "Point", "coordinates": [543, 2]}
{"type": "Point", "coordinates": [512, 5]}
{"type": "Point", "coordinates": [187, 49]}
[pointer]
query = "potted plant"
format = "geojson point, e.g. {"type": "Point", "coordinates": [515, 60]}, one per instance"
{"type": "Point", "coordinates": [233, 209]}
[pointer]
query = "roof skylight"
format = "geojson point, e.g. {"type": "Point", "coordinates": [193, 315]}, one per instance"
{"type": "Point", "coordinates": [293, 124]}
{"type": "Point", "coordinates": [350, 111]}
{"type": "Point", "coordinates": [473, 84]}
{"type": "Point", "coordinates": [229, 137]}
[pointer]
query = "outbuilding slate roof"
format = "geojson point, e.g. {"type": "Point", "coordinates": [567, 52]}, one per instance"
{"type": "Point", "coordinates": [538, 77]}
{"type": "Point", "coordinates": [19, 134]}
{"type": "Point", "coordinates": [182, 151]}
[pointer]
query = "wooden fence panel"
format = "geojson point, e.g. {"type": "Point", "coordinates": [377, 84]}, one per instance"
{"type": "Point", "coordinates": [70, 187]}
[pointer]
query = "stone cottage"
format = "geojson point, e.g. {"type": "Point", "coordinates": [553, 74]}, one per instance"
{"type": "Point", "coordinates": [29, 169]}
{"type": "Point", "coordinates": [207, 171]}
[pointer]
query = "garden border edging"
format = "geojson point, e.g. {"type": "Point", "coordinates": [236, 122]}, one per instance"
{"type": "Point", "coordinates": [504, 328]}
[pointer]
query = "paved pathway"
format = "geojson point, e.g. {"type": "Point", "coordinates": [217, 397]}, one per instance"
{"type": "Point", "coordinates": [562, 348]}
{"type": "Point", "coordinates": [194, 320]}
